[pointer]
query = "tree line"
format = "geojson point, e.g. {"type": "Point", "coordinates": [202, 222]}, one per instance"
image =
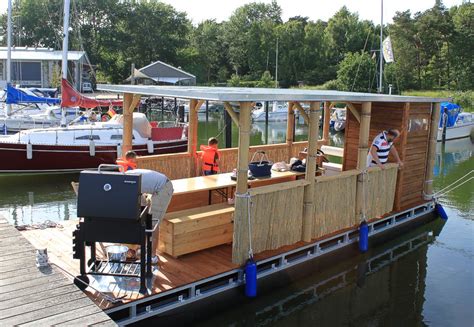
{"type": "Point", "coordinates": [433, 49]}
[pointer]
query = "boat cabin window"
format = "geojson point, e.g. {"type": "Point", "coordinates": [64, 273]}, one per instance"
{"type": "Point", "coordinates": [88, 137]}
{"type": "Point", "coordinates": [119, 137]}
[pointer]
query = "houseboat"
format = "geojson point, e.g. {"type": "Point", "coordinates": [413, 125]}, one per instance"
{"type": "Point", "coordinates": [281, 222]}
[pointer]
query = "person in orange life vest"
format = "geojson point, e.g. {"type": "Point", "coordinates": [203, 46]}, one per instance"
{"type": "Point", "coordinates": [210, 157]}
{"type": "Point", "coordinates": [129, 162]}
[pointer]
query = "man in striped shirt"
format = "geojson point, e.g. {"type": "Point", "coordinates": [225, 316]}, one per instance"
{"type": "Point", "coordinates": [381, 147]}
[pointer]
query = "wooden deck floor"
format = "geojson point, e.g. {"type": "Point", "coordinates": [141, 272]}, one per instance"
{"type": "Point", "coordinates": [172, 272]}
{"type": "Point", "coordinates": [33, 297]}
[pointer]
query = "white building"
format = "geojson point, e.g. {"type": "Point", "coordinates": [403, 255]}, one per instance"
{"type": "Point", "coordinates": [35, 67]}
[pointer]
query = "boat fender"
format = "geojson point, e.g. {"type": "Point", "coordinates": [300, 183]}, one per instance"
{"type": "Point", "coordinates": [363, 237]}
{"type": "Point", "coordinates": [441, 212]}
{"type": "Point", "coordinates": [119, 151]}
{"type": "Point", "coordinates": [91, 148]}
{"type": "Point", "coordinates": [250, 278]}
{"type": "Point", "coordinates": [29, 151]}
{"type": "Point", "coordinates": [150, 147]}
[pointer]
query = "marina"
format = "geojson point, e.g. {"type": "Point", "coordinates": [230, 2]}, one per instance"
{"type": "Point", "coordinates": [173, 198]}
{"type": "Point", "coordinates": [207, 259]}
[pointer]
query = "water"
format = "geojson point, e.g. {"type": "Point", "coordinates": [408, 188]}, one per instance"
{"type": "Point", "coordinates": [424, 277]}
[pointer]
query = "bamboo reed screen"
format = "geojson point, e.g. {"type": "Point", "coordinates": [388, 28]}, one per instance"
{"type": "Point", "coordinates": [276, 219]}
{"type": "Point", "coordinates": [334, 203]}
{"type": "Point", "coordinates": [174, 166]}
{"type": "Point", "coordinates": [274, 152]}
{"type": "Point", "coordinates": [381, 190]}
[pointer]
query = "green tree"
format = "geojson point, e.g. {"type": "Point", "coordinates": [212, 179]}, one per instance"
{"type": "Point", "coordinates": [266, 80]}
{"type": "Point", "coordinates": [210, 52]}
{"type": "Point", "coordinates": [355, 72]}
{"type": "Point", "coordinates": [407, 51]}
{"type": "Point", "coordinates": [463, 46]}
{"type": "Point", "coordinates": [249, 37]}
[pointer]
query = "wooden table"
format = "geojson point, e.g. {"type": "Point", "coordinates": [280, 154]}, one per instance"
{"type": "Point", "coordinates": [220, 181]}
{"type": "Point", "coordinates": [198, 191]}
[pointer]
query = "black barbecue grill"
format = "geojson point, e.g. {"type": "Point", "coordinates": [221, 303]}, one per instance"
{"type": "Point", "coordinates": [109, 203]}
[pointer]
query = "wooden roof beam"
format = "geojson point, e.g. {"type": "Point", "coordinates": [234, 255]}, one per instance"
{"type": "Point", "coordinates": [302, 112]}
{"type": "Point", "coordinates": [354, 111]}
{"type": "Point", "coordinates": [234, 115]}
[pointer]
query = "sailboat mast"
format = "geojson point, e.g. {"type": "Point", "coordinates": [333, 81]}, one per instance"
{"type": "Point", "coordinates": [65, 38]}
{"type": "Point", "coordinates": [276, 65]}
{"type": "Point", "coordinates": [65, 49]}
{"type": "Point", "coordinates": [381, 48]}
{"type": "Point", "coordinates": [9, 52]}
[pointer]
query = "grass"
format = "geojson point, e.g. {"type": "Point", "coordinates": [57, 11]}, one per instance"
{"type": "Point", "coordinates": [463, 98]}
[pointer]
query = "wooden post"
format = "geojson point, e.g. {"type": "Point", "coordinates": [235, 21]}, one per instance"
{"type": "Point", "coordinates": [435, 113]}
{"type": "Point", "coordinates": [327, 116]}
{"type": "Point", "coordinates": [362, 158]}
{"type": "Point", "coordinates": [127, 123]}
{"type": "Point", "coordinates": [313, 134]}
{"type": "Point", "coordinates": [364, 135]}
{"type": "Point", "coordinates": [290, 128]}
{"type": "Point", "coordinates": [193, 135]}
{"type": "Point", "coordinates": [241, 236]}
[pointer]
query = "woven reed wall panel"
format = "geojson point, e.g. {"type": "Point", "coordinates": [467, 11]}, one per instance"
{"type": "Point", "coordinates": [276, 220]}
{"type": "Point", "coordinates": [274, 152]}
{"type": "Point", "coordinates": [381, 191]}
{"type": "Point", "coordinates": [174, 166]}
{"type": "Point", "coordinates": [335, 203]}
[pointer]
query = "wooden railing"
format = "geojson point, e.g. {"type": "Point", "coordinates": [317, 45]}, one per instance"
{"type": "Point", "coordinates": [174, 166]}
{"type": "Point", "coordinates": [336, 199]}
{"type": "Point", "coordinates": [334, 203]}
{"type": "Point", "coordinates": [179, 165]}
{"type": "Point", "coordinates": [276, 217]}
{"type": "Point", "coordinates": [381, 185]}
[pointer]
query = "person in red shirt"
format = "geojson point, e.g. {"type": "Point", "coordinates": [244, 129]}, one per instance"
{"type": "Point", "coordinates": [210, 157]}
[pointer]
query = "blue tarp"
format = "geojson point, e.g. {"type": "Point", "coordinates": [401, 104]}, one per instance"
{"type": "Point", "coordinates": [452, 110]}
{"type": "Point", "coordinates": [15, 96]}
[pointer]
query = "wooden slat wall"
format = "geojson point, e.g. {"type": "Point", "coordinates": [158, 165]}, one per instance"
{"type": "Point", "coordinates": [383, 117]}
{"type": "Point", "coordinates": [335, 203]}
{"type": "Point", "coordinates": [381, 190]}
{"type": "Point", "coordinates": [276, 220]}
{"type": "Point", "coordinates": [413, 174]}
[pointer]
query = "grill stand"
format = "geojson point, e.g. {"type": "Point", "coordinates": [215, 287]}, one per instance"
{"type": "Point", "coordinates": [92, 230]}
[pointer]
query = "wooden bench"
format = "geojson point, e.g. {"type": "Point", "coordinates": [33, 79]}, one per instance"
{"type": "Point", "coordinates": [192, 230]}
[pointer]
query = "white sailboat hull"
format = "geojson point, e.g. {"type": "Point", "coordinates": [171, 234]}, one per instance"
{"type": "Point", "coordinates": [456, 132]}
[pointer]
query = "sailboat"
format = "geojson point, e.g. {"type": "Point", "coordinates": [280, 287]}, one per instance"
{"type": "Point", "coordinates": [84, 145]}
{"type": "Point", "coordinates": [32, 110]}
{"type": "Point", "coordinates": [27, 108]}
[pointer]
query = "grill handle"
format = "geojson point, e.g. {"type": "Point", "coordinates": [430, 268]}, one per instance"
{"type": "Point", "coordinates": [145, 212]}
{"type": "Point", "coordinates": [108, 165]}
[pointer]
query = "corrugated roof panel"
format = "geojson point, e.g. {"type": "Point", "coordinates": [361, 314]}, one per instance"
{"type": "Point", "coordinates": [259, 94]}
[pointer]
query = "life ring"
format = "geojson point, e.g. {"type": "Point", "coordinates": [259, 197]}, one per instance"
{"type": "Point", "coordinates": [104, 118]}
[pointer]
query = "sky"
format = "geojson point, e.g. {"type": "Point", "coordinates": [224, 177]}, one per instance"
{"type": "Point", "coordinates": [199, 10]}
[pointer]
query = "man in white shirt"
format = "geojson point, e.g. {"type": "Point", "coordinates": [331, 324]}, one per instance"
{"type": "Point", "coordinates": [381, 147]}
{"type": "Point", "coordinates": [161, 189]}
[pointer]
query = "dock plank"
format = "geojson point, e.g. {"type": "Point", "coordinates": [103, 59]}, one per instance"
{"type": "Point", "coordinates": [63, 317]}
{"type": "Point", "coordinates": [40, 297]}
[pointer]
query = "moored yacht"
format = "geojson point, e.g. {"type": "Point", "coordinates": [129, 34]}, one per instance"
{"type": "Point", "coordinates": [82, 146]}
{"type": "Point", "coordinates": [454, 122]}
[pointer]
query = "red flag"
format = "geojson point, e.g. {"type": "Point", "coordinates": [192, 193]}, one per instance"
{"type": "Point", "coordinates": [71, 98]}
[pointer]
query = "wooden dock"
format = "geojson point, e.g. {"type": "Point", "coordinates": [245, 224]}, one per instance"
{"type": "Point", "coordinates": [39, 297]}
